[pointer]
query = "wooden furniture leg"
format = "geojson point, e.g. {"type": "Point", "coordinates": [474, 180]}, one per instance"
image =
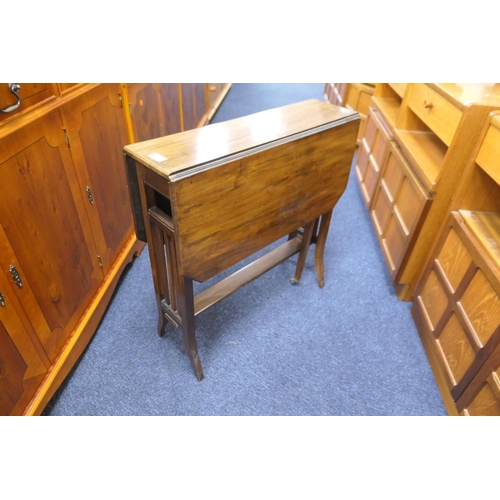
{"type": "Point", "coordinates": [304, 247]}
{"type": "Point", "coordinates": [186, 309]}
{"type": "Point", "coordinates": [320, 247]}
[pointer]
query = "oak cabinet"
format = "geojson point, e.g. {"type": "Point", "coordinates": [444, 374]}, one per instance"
{"type": "Point", "coordinates": [457, 300]}
{"type": "Point", "coordinates": [398, 206]}
{"type": "Point", "coordinates": [433, 129]}
{"type": "Point", "coordinates": [354, 96]}
{"type": "Point", "coordinates": [372, 153]}
{"type": "Point", "coordinates": [457, 307]}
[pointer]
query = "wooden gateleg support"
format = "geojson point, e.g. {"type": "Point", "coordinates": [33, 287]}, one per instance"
{"type": "Point", "coordinates": [320, 247]}
{"type": "Point", "coordinates": [186, 309]}
{"type": "Point", "coordinates": [312, 235]}
{"type": "Point", "coordinates": [176, 301]}
{"type": "Point", "coordinates": [304, 247]}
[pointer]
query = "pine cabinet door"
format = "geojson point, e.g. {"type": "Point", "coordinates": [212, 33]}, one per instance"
{"type": "Point", "coordinates": [46, 246]}
{"type": "Point", "coordinates": [96, 129]}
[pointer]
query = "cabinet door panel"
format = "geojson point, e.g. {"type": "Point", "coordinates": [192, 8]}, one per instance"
{"type": "Point", "coordinates": [193, 104]}
{"type": "Point", "coordinates": [171, 108]}
{"type": "Point", "coordinates": [373, 150]}
{"type": "Point", "coordinates": [145, 112]}
{"type": "Point", "coordinates": [96, 128]}
{"type": "Point", "coordinates": [399, 205]}
{"type": "Point", "coordinates": [21, 367]}
{"type": "Point", "coordinates": [44, 231]}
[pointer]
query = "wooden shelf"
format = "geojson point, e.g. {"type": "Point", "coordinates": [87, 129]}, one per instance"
{"type": "Point", "coordinates": [486, 228]}
{"type": "Point", "coordinates": [399, 88]}
{"type": "Point", "coordinates": [426, 152]}
{"type": "Point", "coordinates": [489, 153]}
{"type": "Point", "coordinates": [389, 107]}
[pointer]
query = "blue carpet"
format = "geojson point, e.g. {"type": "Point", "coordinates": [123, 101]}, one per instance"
{"type": "Point", "coordinates": [271, 348]}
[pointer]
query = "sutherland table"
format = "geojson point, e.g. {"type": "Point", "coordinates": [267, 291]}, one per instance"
{"type": "Point", "coordinates": [206, 199]}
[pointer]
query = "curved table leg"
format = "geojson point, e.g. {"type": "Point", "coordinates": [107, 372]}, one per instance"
{"type": "Point", "coordinates": [320, 247]}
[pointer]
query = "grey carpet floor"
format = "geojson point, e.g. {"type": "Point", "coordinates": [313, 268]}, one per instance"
{"type": "Point", "coordinates": [271, 348]}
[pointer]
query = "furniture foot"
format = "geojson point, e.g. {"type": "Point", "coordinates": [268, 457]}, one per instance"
{"type": "Point", "coordinates": [162, 323]}
{"type": "Point", "coordinates": [186, 308]}
{"type": "Point", "coordinates": [306, 241]}
{"type": "Point", "coordinates": [320, 247]}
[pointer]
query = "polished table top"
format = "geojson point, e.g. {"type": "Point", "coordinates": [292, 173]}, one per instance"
{"type": "Point", "coordinates": [214, 144]}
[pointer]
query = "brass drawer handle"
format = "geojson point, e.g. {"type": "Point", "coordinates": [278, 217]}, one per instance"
{"type": "Point", "coordinates": [14, 88]}
{"type": "Point", "coordinates": [428, 104]}
{"type": "Point", "coordinates": [15, 276]}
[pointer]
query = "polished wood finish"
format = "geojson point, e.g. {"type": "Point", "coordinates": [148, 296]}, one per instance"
{"type": "Point", "coordinates": [399, 203]}
{"type": "Point", "coordinates": [44, 232]}
{"type": "Point", "coordinates": [436, 128]}
{"type": "Point", "coordinates": [354, 96]}
{"type": "Point", "coordinates": [22, 365]}
{"type": "Point", "coordinates": [457, 301]}
{"type": "Point", "coordinates": [211, 197]}
{"type": "Point", "coordinates": [157, 109]}
{"type": "Point", "coordinates": [67, 230]}
{"type": "Point", "coordinates": [144, 109]}
{"type": "Point", "coordinates": [193, 105]}
{"type": "Point", "coordinates": [372, 154]}
{"type": "Point", "coordinates": [457, 308]}
{"type": "Point", "coordinates": [31, 94]}
{"type": "Point", "coordinates": [96, 131]}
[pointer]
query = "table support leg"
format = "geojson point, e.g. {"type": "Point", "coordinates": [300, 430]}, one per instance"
{"type": "Point", "coordinates": [186, 308]}
{"type": "Point", "coordinates": [306, 241]}
{"type": "Point", "coordinates": [320, 247]}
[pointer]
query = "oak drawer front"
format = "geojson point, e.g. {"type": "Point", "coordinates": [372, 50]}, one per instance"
{"type": "Point", "coordinates": [488, 157]}
{"type": "Point", "coordinates": [398, 207]}
{"type": "Point", "coordinates": [439, 114]}
{"type": "Point", "coordinates": [458, 302]}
